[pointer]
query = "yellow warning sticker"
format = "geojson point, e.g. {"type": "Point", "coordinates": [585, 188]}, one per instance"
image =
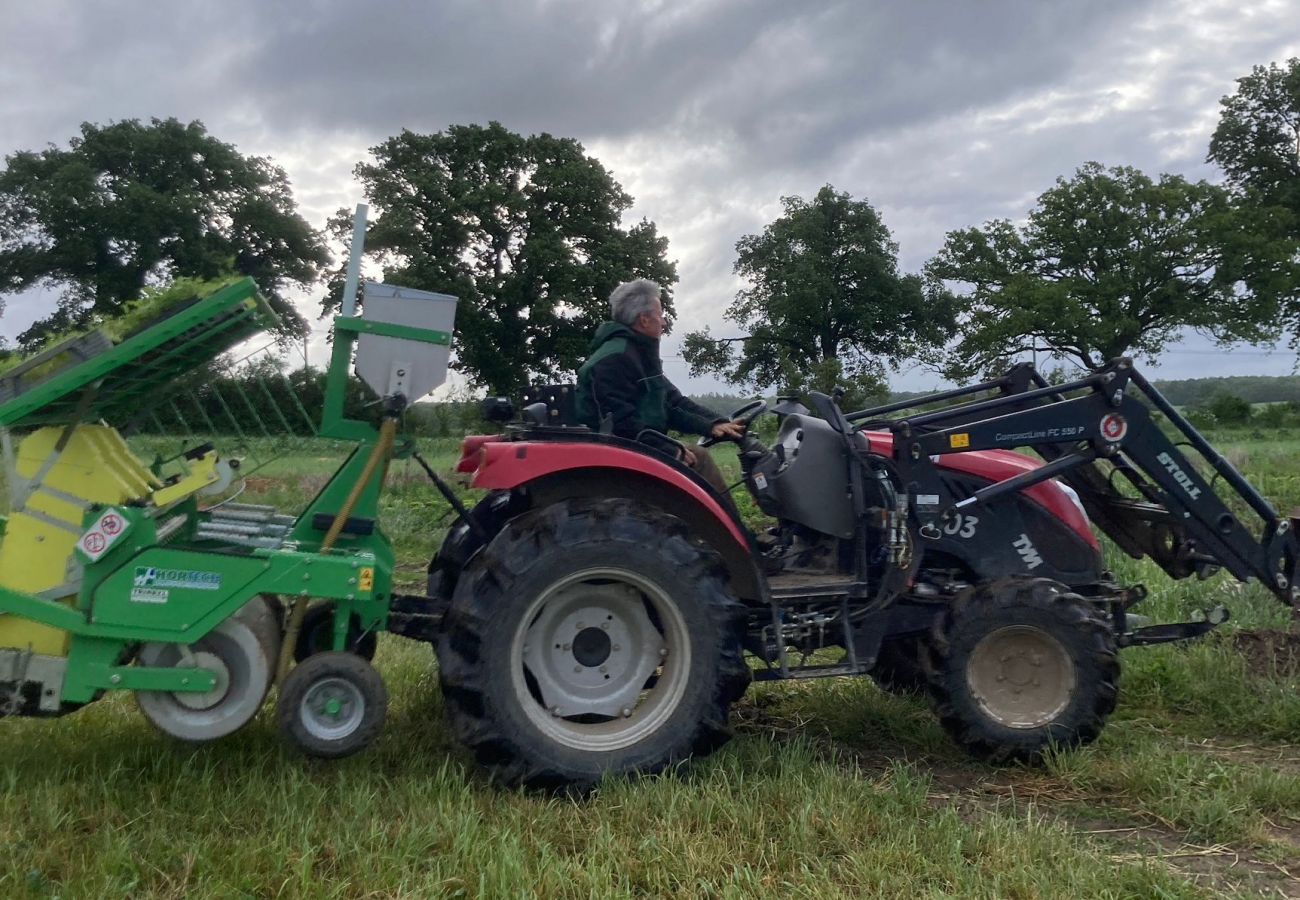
{"type": "Point", "coordinates": [366, 580]}
{"type": "Point", "coordinates": [959, 440]}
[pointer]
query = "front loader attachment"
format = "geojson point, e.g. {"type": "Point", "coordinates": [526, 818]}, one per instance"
{"type": "Point", "coordinates": [1098, 435]}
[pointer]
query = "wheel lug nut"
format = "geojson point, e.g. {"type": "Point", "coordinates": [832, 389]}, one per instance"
{"type": "Point", "coordinates": [1002, 678]}
{"type": "Point", "coordinates": [663, 651]}
{"type": "Point", "coordinates": [567, 646]}
{"type": "Point", "coordinates": [581, 626]}
{"type": "Point", "coordinates": [627, 712]}
{"type": "Point", "coordinates": [604, 668]}
{"type": "Point", "coordinates": [616, 648]}
{"type": "Point", "coordinates": [555, 711]}
{"type": "Point", "coordinates": [577, 668]}
{"type": "Point", "coordinates": [1037, 683]}
{"type": "Point", "coordinates": [604, 625]}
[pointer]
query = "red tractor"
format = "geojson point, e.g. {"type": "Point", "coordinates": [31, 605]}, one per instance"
{"type": "Point", "coordinates": [594, 611]}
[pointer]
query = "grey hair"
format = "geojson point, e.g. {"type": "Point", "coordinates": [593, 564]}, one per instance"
{"type": "Point", "coordinates": [632, 298]}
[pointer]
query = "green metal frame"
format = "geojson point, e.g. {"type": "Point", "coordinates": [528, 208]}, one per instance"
{"type": "Point", "coordinates": [105, 623]}
{"type": "Point", "coordinates": [145, 362]}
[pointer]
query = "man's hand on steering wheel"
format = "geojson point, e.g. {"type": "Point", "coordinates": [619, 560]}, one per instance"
{"type": "Point", "coordinates": [738, 424]}
{"type": "Point", "coordinates": [728, 430]}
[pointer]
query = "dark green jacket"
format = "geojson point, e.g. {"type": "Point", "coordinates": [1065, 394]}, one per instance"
{"type": "Point", "coordinates": [624, 379]}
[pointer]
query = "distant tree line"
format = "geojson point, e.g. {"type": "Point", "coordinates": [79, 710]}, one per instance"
{"type": "Point", "coordinates": [1194, 392]}
{"type": "Point", "coordinates": [527, 231]}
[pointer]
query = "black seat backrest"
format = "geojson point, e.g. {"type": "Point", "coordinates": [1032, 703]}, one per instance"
{"type": "Point", "coordinates": [561, 403]}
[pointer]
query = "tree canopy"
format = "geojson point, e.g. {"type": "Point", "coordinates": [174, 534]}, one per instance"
{"type": "Point", "coordinates": [525, 231]}
{"type": "Point", "coordinates": [1109, 263]}
{"type": "Point", "coordinates": [1257, 141]}
{"type": "Point", "coordinates": [826, 304]}
{"type": "Point", "coordinates": [127, 204]}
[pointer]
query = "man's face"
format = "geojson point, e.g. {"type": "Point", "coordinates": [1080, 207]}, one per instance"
{"type": "Point", "coordinates": [651, 323]}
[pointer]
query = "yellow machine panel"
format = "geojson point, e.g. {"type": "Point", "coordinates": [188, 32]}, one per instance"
{"type": "Point", "coordinates": [51, 493]}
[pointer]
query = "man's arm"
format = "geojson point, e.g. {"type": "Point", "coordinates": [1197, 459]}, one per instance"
{"type": "Point", "coordinates": [615, 389]}
{"type": "Point", "coordinates": [684, 414]}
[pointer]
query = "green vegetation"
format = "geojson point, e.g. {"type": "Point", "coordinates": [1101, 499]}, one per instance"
{"type": "Point", "coordinates": [831, 789]}
{"type": "Point", "coordinates": [128, 205]}
{"type": "Point", "coordinates": [825, 305]}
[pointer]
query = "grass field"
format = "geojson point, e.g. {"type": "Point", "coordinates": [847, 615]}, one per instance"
{"type": "Point", "coordinates": [831, 789]}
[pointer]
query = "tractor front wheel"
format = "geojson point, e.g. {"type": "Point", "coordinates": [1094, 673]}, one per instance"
{"type": "Point", "coordinates": [1021, 665]}
{"type": "Point", "coordinates": [591, 637]}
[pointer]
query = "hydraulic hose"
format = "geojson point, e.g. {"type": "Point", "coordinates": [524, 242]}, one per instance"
{"type": "Point", "coordinates": [378, 454]}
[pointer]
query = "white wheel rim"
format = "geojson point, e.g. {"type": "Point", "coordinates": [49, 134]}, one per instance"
{"type": "Point", "coordinates": [1021, 676]}
{"type": "Point", "coordinates": [332, 708]}
{"type": "Point", "coordinates": [246, 669]}
{"type": "Point", "coordinates": [584, 651]}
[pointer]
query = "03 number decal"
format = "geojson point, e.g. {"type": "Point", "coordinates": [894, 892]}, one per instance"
{"type": "Point", "coordinates": [961, 526]}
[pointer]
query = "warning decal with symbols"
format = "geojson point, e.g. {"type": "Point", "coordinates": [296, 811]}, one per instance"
{"type": "Point", "coordinates": [107, 530]}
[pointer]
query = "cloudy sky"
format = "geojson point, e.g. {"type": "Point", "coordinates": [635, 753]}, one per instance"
{"type": "Point", "coordinates": [942, 114]}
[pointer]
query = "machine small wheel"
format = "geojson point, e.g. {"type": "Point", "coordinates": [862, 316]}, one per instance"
{"type": "Point", "coordinates": [232, 650]}
{"type": "Point", "coordinates": [317, 635]}
{"type": "Point", "coordinates": [332, 705]}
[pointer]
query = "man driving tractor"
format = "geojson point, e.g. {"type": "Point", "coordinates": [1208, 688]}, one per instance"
{"type": "Point", "coordinates": [623, 380]}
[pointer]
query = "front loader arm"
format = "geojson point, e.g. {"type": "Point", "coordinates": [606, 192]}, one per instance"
{"type": "Point", "coordinates": [1178, 518]}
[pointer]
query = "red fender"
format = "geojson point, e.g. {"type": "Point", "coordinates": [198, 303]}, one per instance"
{"type": "Point", "coordinates": [502, 465]}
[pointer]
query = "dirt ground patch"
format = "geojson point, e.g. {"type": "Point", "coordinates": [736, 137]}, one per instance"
{"type": "Point", "coordinates": [1216, 867]}
{"type": "Point", "coordinates": [1269, 652]}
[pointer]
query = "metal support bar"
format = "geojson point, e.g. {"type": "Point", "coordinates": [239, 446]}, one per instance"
{"type": "Point", "coordinates": [474, 525]}
{"type": "Point", "coordinates": [392, 329]}
{"type": "Point", "coordinates": [1212, 456]}
{"type": "Point", "coordinates": [349, 307]}
{"type": "Point", "coordinates": [928, 398]}
{"type": "Point", "coordinates": [1030, 478]}
{"type": "Point", "coordinates": [996, 402]}
{"type": "Point", "coordinates": [141, 678]}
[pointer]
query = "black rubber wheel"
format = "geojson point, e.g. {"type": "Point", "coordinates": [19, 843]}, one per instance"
{"type": "Point", "coordinates": [317, 635]}
{"type": "Point", "coordinates": [899, 668]}
{"type": "Point", "coordinates": [332, 705]}
{"type": "Point", "coordinates": [1020, 665]}
{"type": "Point", "coordinates": [591, 637]}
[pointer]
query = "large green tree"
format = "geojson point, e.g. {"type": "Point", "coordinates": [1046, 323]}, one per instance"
{"type": "Point", "coordinates": [525, 231]}
{"type": "Point", "coordinates": [1257, 141]}
{"type": "Point", "coordinates": [826, 305]}
{"type": "Point", "coordinates": [1109, 263]}
{"type": "Point", "coordinates": [129, 204]}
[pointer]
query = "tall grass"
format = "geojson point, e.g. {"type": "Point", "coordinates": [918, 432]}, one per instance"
{"type": "Point", "coordinates": [831, 789]}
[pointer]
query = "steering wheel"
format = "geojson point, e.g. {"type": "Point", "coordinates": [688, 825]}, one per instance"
{"type": "Point", "coordinates": [745, 415]}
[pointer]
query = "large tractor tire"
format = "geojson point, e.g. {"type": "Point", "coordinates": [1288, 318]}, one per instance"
{"type": "Point", "coordinates": [591, 637]}
{"type": "Point", "coordinates": [1020, 665]}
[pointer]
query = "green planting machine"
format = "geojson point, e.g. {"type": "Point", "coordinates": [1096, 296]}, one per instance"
{"type": "Point", "coordinates": [121, 574]}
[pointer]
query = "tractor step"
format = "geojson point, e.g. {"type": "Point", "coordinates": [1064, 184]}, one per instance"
{"type": "Point", "coordinates": [1174, 631]}
{"type": "Point", "coordinates": [801, 585]}
{"type": "Point", "coordinates": [793, 672]}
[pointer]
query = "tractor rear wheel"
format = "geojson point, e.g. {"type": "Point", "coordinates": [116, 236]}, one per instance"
{"type": "Point", "coordinates": [1020, 665]}
{"type": "Point", "coordinates": [591, 637]}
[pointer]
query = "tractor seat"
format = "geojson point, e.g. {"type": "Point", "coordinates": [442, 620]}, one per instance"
{"type": "Point", "coordinates": [552, 405]}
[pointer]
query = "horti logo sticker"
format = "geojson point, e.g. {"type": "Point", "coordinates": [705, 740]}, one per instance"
{"type": "Point", "coordinates": [1113, 427]}
{"type": "Point", "coordinates": [154, 577]}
